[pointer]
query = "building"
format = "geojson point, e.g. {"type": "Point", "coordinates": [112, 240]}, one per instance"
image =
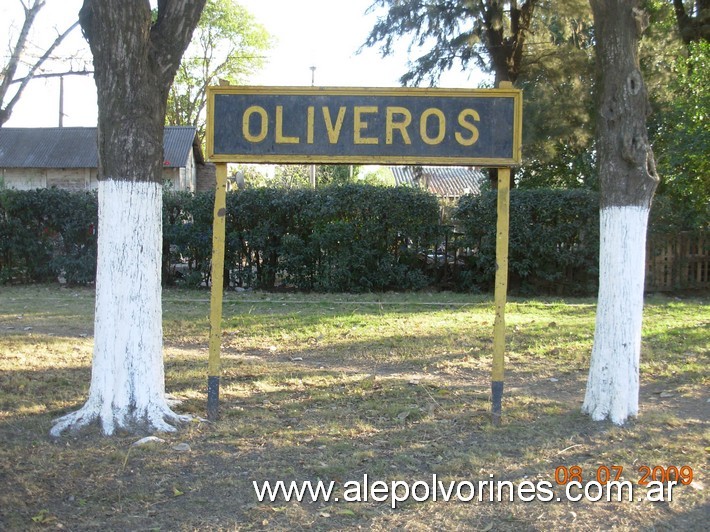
{"type": "Point", "coordinates": [446, 182]}
{"type": "Point", "coordinates": [67, 158]}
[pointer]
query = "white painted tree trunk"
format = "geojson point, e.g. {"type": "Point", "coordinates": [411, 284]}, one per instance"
{"type": "Point", "coordinates": [127, 381]}
{"type": "Point", "coordinates": [613, 382]}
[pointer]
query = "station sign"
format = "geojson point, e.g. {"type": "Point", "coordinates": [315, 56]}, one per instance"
{"type": "Point", "coordinates": [481, 127]}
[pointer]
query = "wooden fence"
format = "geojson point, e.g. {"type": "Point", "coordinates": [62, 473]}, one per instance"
{"type": "Point", "coordinates": [679, 261]}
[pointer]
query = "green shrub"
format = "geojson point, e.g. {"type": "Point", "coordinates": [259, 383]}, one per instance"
{"type": "Point", "coordinates": [47, 233]}
{"type": "Point", "coordinates": [336, 238]}
{"type": "Point", "coordinates": [187, 237]}
{"type": "Point", "coordinates": [554, 240]}
{"type": "Point", "coordinates": [339, 238]}
{"type": "Point", "coordinates": [387, 227]}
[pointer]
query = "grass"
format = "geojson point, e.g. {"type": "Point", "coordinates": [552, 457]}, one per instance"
{"type": "Point", "coordinates": [333, 387]}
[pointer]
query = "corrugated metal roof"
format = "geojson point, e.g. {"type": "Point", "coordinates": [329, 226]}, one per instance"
{"type": "Point", "coordinates": [75, 147]}
{"type": "Point", "coordinates": [69, 147]}
{"type": "Point", "coordinates": [177, 144]}
{"type": "Point", "coordinates": [444, 181]}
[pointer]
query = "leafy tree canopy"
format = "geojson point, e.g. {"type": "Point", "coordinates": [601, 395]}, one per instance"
{"type": "Point", "coordinates": [228, 44]}
{"type": "Point", "coordinates": [558, 80]}
{"type": "Point", "coordinates": [547, 48]}
{"type": "Point", "coordinates": [488, 34]}
{"type": "Point", "coordinates": [681, 138]}
{"type": "Point", "coordinates": [693, 18]}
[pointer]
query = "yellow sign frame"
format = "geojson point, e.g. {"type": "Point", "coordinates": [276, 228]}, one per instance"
{"type": "Point", "coordinates": [502, 230]}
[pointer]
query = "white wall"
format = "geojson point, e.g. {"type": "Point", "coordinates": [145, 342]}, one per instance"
{"type": "Point", "coordinates": [85, 178]}
{"type": "Point", "coordinates": [65, 178]}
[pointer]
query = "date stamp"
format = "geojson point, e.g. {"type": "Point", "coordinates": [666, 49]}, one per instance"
{"type": "Point", "coordinates": [604, 474]}
{"type": "Point", "coordinates": [609, 482]}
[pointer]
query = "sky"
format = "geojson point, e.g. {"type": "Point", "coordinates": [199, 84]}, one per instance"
{"type": "Point", "coordinates": [322, 33]}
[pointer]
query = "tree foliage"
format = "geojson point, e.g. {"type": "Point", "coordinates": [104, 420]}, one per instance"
{"type": "Point", "coordinates": [489, 34]}
{"type": "Point", "coordinates": [681, 139]}
{"type": "Point", "coordinates": [545, 46]}
{"type": "Point", "coordinates": [693, 20]}
{"type": "Point", "coordinates": [659, 50]}
{"type": "Point", "coordinates": [228, 44]}
{"type": "Point", "coordinates": [290, 176]}
{"type": "Point", "coordinates": [676, 73]}
{"type": "Point", "coordinates": [563, 166]}
{"type": "Point", "coordinates": [557, 80]}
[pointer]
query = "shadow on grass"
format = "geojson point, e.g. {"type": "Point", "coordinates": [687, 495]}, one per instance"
{"type": "Point", "coordinates": [404, 406]}
{"type": "Point", "coordinates": [298, 423]}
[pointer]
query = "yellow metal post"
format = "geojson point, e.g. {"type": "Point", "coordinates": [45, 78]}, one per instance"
{"type": "Point", "coordinates": [217, 276]}
{"type": "Point", "coordinates": [501, 291]}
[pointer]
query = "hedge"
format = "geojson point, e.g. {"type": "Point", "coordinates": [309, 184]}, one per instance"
{"type": "Point", "coordinates": [338, 238]}
{"type": "Point", "coordinates": [47, 233]}
{"type": "Point", "coordinates": [554, 240]}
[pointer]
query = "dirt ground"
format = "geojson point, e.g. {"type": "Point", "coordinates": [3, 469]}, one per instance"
{"type": "Point", "coordinates": [340, 391]}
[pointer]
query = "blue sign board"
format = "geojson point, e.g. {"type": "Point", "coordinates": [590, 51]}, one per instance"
{"type": "Point", "coordinates": [346, 125]}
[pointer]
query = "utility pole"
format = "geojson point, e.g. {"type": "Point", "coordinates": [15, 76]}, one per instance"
{"type": "Point", "coordinates": [59, 75]}
{"type": "Point", "coordinates": [61, 101]}
{"type": "Point", "coordinates": [313, 166]}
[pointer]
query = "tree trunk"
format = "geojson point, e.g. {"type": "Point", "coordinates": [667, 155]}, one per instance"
{"type": "Point", "coordinates": [506, 53]}
{"type": "Point", "coordinates": [127, 382]}
{"type": "Point", "coordinates": [628, 180]}
{"type": "Point", "coordinates": [693, 26]}
{"type": "Point", "coordinates": [134, 61]}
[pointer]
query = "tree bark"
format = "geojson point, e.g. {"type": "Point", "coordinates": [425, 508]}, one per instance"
{"type": "Point", "coordinates": [135, 60]}
{"type": "Point", "coordinates": [628, 181]}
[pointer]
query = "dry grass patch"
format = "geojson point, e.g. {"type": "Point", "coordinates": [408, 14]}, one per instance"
{"type": "Point", "coordinates": [335, 387]}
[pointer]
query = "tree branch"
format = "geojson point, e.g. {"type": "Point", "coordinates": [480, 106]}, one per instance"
{"type": "Point", "coordinates": [7, 80]}
{"type": "Point", "coordinates": [56, 75]}
{"type": "Point", "coordinates": [172, 32]}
